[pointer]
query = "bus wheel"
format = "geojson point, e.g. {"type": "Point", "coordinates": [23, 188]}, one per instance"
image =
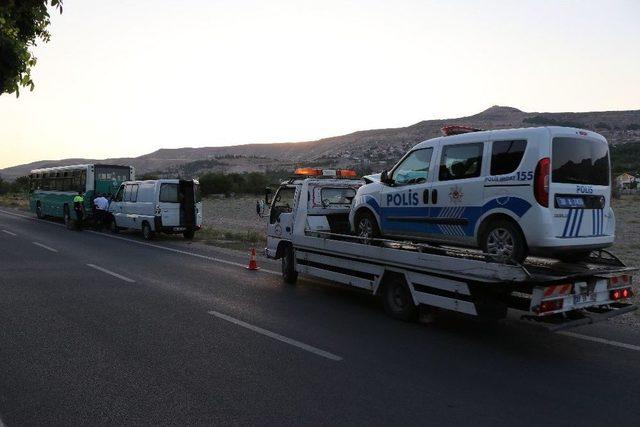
{"type": "Point", "coordinates": [397, 299]}
{"type": "Point", "coordinates": [189, 234]}
{"type": "Point", "coordinates": [289, 273]}
{"type": "Point", "coordinates": [39, 213]}
{"type": "Point", "coordinates": [147, 233]}
{"type": "Point", "coordinates": [68, 222]}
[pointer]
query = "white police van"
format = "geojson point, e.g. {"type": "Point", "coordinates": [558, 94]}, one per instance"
{"type": "Point", "coordinates": [154, 206]}
{"type": "Point", "coordinates": [544, 191]}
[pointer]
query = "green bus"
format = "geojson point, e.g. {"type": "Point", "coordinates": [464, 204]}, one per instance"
{"type": "Point", "coordinates": [52, 189]}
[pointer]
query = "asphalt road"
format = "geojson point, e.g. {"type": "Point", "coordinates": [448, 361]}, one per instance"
{"type": "Point", "coordinates": [104, 329]}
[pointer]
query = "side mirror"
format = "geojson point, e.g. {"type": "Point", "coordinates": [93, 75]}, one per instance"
{"type": "Point", "coordinates": [267, 196]}
{"type": "Point", "coordinates": [384, 177]}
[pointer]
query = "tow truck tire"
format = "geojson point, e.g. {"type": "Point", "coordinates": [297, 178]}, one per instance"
{"type": "Point", "coordinates": [367, 226]}
{"type": "Point", "coordinates": [289, 273]}
{"type": "Point", "coordinates": [397, 299]}
{"type": "Point", "coordinates": [503, 237]}
{"type": "Point", "coordinates": [147, 233]}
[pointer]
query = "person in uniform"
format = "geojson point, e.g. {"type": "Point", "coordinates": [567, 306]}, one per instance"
{"type": "Point", "coordinates": [78, 206]}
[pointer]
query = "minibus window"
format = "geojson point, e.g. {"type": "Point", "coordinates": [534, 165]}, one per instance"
{"type": "Point", "coordinates": [506, 156]}
{"type": "Point", "coordinates": [580, 161]}
{"type": "Point", "coordinates": [461, 161]}
{"type": "Point", "coordinates": [169, 193]}
{"type": "Point", "coordinates": [133, 193]}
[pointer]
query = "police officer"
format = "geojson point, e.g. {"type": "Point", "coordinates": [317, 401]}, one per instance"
{"type": "Point", "coordinates": [78, 206]}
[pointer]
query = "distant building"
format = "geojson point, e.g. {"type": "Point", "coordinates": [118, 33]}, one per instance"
{"type": "Point", "coordinates": [626, 181]}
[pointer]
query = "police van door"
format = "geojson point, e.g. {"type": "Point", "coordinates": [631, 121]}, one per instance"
{"type": "Point", "coordinates": [404, 200]}
{"type": "Point", "coordinates": [457, 193]}
{"type": "Point", "coordinates": [281, 216]}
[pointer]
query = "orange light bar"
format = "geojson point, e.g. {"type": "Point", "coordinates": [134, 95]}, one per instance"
{"type": "Point", "coordinates": [308, 171]}
{"type": "Point", "coordinates": [346, 173]}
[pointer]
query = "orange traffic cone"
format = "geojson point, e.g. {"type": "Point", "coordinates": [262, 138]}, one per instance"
{"type": "Point", "coordinates": [253, 265]}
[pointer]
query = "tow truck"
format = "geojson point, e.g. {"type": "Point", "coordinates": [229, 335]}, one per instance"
{"type": "Point", "coordinates": [308, 230]}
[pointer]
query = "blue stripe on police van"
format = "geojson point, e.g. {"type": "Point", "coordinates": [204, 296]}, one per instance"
{"type": "Point", "coordinates": [566, 224]}
{"type": "Point", "coordinates": [574, 220]}
{"type": "Point", "coordinates": [579, 223]}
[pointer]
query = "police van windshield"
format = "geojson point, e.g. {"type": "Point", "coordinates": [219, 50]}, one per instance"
{"type": "Point", "coordinates": [580, 161]}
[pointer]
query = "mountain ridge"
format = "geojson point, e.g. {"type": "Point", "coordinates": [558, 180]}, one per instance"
{"type": "Point", "coordinates": [371, 147]}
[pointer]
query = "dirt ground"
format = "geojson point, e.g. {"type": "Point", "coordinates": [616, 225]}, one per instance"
{"type": "Point", "coordinates": [235, 214]}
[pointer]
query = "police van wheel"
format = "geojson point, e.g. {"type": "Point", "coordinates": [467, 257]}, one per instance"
{"type": "Point", "coordinates": [113, 227]}
{"type": "Point", "coordinates": [503, 238]}
{"type": "Point", "coordinates": [147, 233]}
{"type": "Point", "coordinates": [367, 227]}
{"type": "Point", "coordinates": [397, 299]}
{"type": "Point", "coordinates": [39, 213]}
{"type": "Point", "coordinates": [289, 273]}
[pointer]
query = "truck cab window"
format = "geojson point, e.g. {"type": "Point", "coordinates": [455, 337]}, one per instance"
{"type": "Point", "coordinates": [282, 202]}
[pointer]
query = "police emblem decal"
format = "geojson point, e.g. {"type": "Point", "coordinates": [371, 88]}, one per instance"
{"type": "Point", "coordinates": [456, 194]}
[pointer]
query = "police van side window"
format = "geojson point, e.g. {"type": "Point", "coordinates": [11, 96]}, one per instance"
{"type": "Point", "coordinates": [461, 161]}
{"type": "Point", "coordinates": [414, 169]}
{"type": "Point", "coordinates": [133, 193]}
{"type": "Point", "coordinates": [506, 156]}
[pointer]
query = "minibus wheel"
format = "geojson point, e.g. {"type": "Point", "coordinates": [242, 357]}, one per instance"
{"type": "Point", "coordinates": [397, 299]}
{"type": "Point", "coordinates": [503, 238]}
{"type": "Point", "coordinates": [39, 213]}
{"type": "Point", "coordinates": [67, 218]}
{"type": "Point", "coordinates": [147, 233]}
{"type": "Point", "coordinates": [189, 234]}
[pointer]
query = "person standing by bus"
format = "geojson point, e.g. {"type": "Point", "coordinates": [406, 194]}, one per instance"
{"type": "Point", "coordinates": [101, 205]}
{"type": "Point", "coordinates": [78, 206]}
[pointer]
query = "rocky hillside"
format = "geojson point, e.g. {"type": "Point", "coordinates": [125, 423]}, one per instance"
{"type": "Point", "coordinates": [371, 148]}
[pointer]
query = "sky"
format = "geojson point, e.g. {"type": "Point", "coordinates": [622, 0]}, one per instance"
{"type": "Point", "coordinates": [127, 77]}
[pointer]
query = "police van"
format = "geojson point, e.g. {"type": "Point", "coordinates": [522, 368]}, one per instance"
{"type": "Point", "coordinates": [510, 192]}
{"type": "Point", "coordinates": [154, 206]}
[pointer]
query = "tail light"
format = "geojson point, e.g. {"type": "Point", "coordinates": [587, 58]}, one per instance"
{"type": "Point", "coordinates": [541, 182]}
{"type": "Point", "coordinates": [623, 293]}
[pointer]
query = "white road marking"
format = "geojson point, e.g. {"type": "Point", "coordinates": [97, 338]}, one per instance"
{"type": "Point", "coordinates": [49, 248]}
{"type": "Point", "coordinates": [600, 340]}
{"type": "Point", "coordinates": [104, 270]}
{"type": "Point", "coordinates": [178, 251]}
{"type": "Point", "coordinates": [278, 337]}
{"type": "Point", "coordinates": [10, 234]}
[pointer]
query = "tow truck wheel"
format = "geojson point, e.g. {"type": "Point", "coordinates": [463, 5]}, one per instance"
{"type": "Point", "coordinates": [502, 238]}
{"type": "Point", "coordinates": [289, 273]}
{"type": "Point", "coordinates": [397, 299]}
{"type": "Point", "coordinates": [367, 227]}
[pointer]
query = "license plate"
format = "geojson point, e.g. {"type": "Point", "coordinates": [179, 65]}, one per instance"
{"type": "Point", "coordinates": [179, 228]}
{"type": "Point", "coordinates": [584, 298]}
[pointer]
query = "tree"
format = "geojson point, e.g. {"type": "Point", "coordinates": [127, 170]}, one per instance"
{"type": "Point", "coordinates": [22, 24]}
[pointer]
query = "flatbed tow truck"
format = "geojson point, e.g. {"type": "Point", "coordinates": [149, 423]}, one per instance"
{"type": "Point", "coordinates": [308, 230]}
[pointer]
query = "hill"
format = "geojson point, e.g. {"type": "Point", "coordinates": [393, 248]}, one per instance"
{"type": "Point", "coordinates": [368, 149]}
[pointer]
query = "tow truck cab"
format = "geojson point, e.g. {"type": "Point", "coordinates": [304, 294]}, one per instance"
{"type": "Point", "coordinates": [327, 196]}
